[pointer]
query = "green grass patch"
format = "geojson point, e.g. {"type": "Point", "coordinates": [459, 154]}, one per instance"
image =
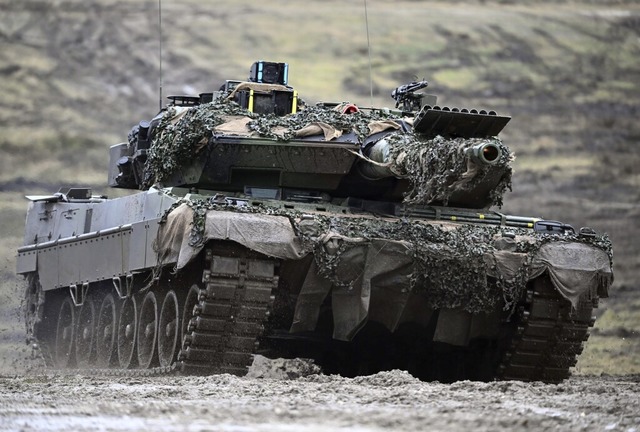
{"type": "Point", "coordinates": [612, 355]}
{"type": "Point", "coordinates": [456, 79]}
{"type": "Point", "coordinates": [562, 166]}
{"type": "Point", "coordinates": [627, 318]}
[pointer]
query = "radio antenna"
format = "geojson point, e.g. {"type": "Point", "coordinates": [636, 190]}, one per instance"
{"type": "Point", "coordinates": [160, 52]}
{"type": "Point", "coordinates": [366, 19]}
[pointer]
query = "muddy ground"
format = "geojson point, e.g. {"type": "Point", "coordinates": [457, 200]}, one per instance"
{"type": "Point", "coordinates": [291, 396]}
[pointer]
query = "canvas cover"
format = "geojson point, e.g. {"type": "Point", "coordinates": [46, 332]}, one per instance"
{"type": "Point", "coordinates": [374, 278]}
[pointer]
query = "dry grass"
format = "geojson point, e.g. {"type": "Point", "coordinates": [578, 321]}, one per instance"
{"type": "Point", "coordinates": [617, 355]}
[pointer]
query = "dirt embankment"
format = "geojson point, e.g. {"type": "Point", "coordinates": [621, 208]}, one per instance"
{"type": "Point", "coordinates": [267, 401]}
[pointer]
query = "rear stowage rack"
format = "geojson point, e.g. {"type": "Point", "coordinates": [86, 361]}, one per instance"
{"type": "Point", "coordinates": [454, 122]}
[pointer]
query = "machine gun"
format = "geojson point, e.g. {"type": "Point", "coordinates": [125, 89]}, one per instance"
{"type": "Point", "coordinates": [406, 98]}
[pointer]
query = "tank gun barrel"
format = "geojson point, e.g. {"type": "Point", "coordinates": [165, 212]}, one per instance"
{"type": "Point", "coordinates": [380, 167]}
{"type": "Point", "coordinates": [483, 154]}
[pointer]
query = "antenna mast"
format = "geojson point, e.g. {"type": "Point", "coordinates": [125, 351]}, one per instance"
{"type": "Point", "coordinates": [160, 52]}
{"type": "Point", "coordinates": [366, 19]}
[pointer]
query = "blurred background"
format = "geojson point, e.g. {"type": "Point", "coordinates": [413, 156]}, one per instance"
{"type": "Point", "coordinates": [76, 75]}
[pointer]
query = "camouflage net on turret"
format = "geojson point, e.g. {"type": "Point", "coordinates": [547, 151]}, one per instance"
{"type": "Point", "coordinates": [436, 168]}
{"type": "Point", "coordinates": [290, 125]}
{"type": "Point", "coordinates": [439, 167]}
{"type": "Point", "coordinates": [182, 133]}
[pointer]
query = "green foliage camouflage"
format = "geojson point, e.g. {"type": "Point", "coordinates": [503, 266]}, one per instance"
{"type": "Point", "coordinates": [357, 122]}
{"type": "Point", "coordinates": [449, 265]}
{"type": "Point", "coordinates": [176, 142]}
{"type": "Point", "coordinates": [436, 167]}
{"type": "Point", "coordinates": [439, 167]}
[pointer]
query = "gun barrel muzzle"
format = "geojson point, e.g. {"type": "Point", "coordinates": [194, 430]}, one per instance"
{"type": "Point", "coordinates": [485, 154]}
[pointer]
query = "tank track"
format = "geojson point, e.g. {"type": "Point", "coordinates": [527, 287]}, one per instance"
{"type": "Point", "coordinates": [549, 335]}
{"type": "Point", "coordinates": [223, 333]}
{"type": "Point", "coordinates": [235, 298]}
{"type": "Point", "coordinates": [223, 330]}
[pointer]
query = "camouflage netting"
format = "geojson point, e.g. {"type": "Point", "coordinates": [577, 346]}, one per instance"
{"type": "Point", "coordinates": [447, 262]}
{"type": "Point", "coordinates": [291, 125]}
{"type": "Point", "coordinates": [436, 168]}
{"type": "Point", "coordinates": [182, 133]}
{"type": "Point", "coordinates": [371, 266]}
{"type": "Point", "coordinates": [453, 265]}
{"type": "Point", "coordinates": [439, 167]}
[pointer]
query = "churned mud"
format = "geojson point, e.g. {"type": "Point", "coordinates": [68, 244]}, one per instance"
{"type": "Point", "coordinates": [293, 396]}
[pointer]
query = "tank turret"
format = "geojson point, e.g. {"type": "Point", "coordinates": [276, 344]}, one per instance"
{"type": "Point", "coordinates": [224, 141]}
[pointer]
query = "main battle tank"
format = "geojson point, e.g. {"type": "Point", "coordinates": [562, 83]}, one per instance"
{"type": "Point", "coordinates": [359, 237]}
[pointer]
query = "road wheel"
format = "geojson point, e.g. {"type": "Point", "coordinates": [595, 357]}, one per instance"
{"type": "Point", "coordinates": [85, 333]}
{"type": "Point", "coordinates": [169, 334]}
{"type": "Point", "coordinates": [64, 333]}
{"type": "Point", "coordinates": [127, 327]}
{"type": "Point", "coordinates": [148, 331]}
{"type": "Point", "coordinates": [106, 332]}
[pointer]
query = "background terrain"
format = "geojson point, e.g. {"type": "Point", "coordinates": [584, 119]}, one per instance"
{"type": "Point", "coordinates": [75, 75]}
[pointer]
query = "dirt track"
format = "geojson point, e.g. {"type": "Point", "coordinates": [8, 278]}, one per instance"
{"type": "Point", "coordinates": [269, 401]}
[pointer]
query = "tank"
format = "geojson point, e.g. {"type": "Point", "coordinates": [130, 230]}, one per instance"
{"type": "Point", "coordinates": [364, 238]}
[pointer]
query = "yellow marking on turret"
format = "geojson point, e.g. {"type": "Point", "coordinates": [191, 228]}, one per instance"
{"type": "Point", "coordinates": [250, 107]}
{"type": "Point", "coordinates": [294, 103]}
{"type": "Point", "coordinates": [454, 218]}
{"type": "Point", "coordinates": [530, 225]}
{"type": "Point", "coordinates": [480, 215]}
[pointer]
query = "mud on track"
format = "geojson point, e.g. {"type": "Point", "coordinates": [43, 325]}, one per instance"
{"type": "Point", "coordinates": [276, 397]}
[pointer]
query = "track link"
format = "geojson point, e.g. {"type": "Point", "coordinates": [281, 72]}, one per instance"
{"type": "Point", "coordinates": [549, 336]}
{"type": "Point", "coordinates": [228, 319]}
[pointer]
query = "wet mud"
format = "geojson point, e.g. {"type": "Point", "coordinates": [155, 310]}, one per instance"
{"type": "Point", "coordinates": [291, 395]}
